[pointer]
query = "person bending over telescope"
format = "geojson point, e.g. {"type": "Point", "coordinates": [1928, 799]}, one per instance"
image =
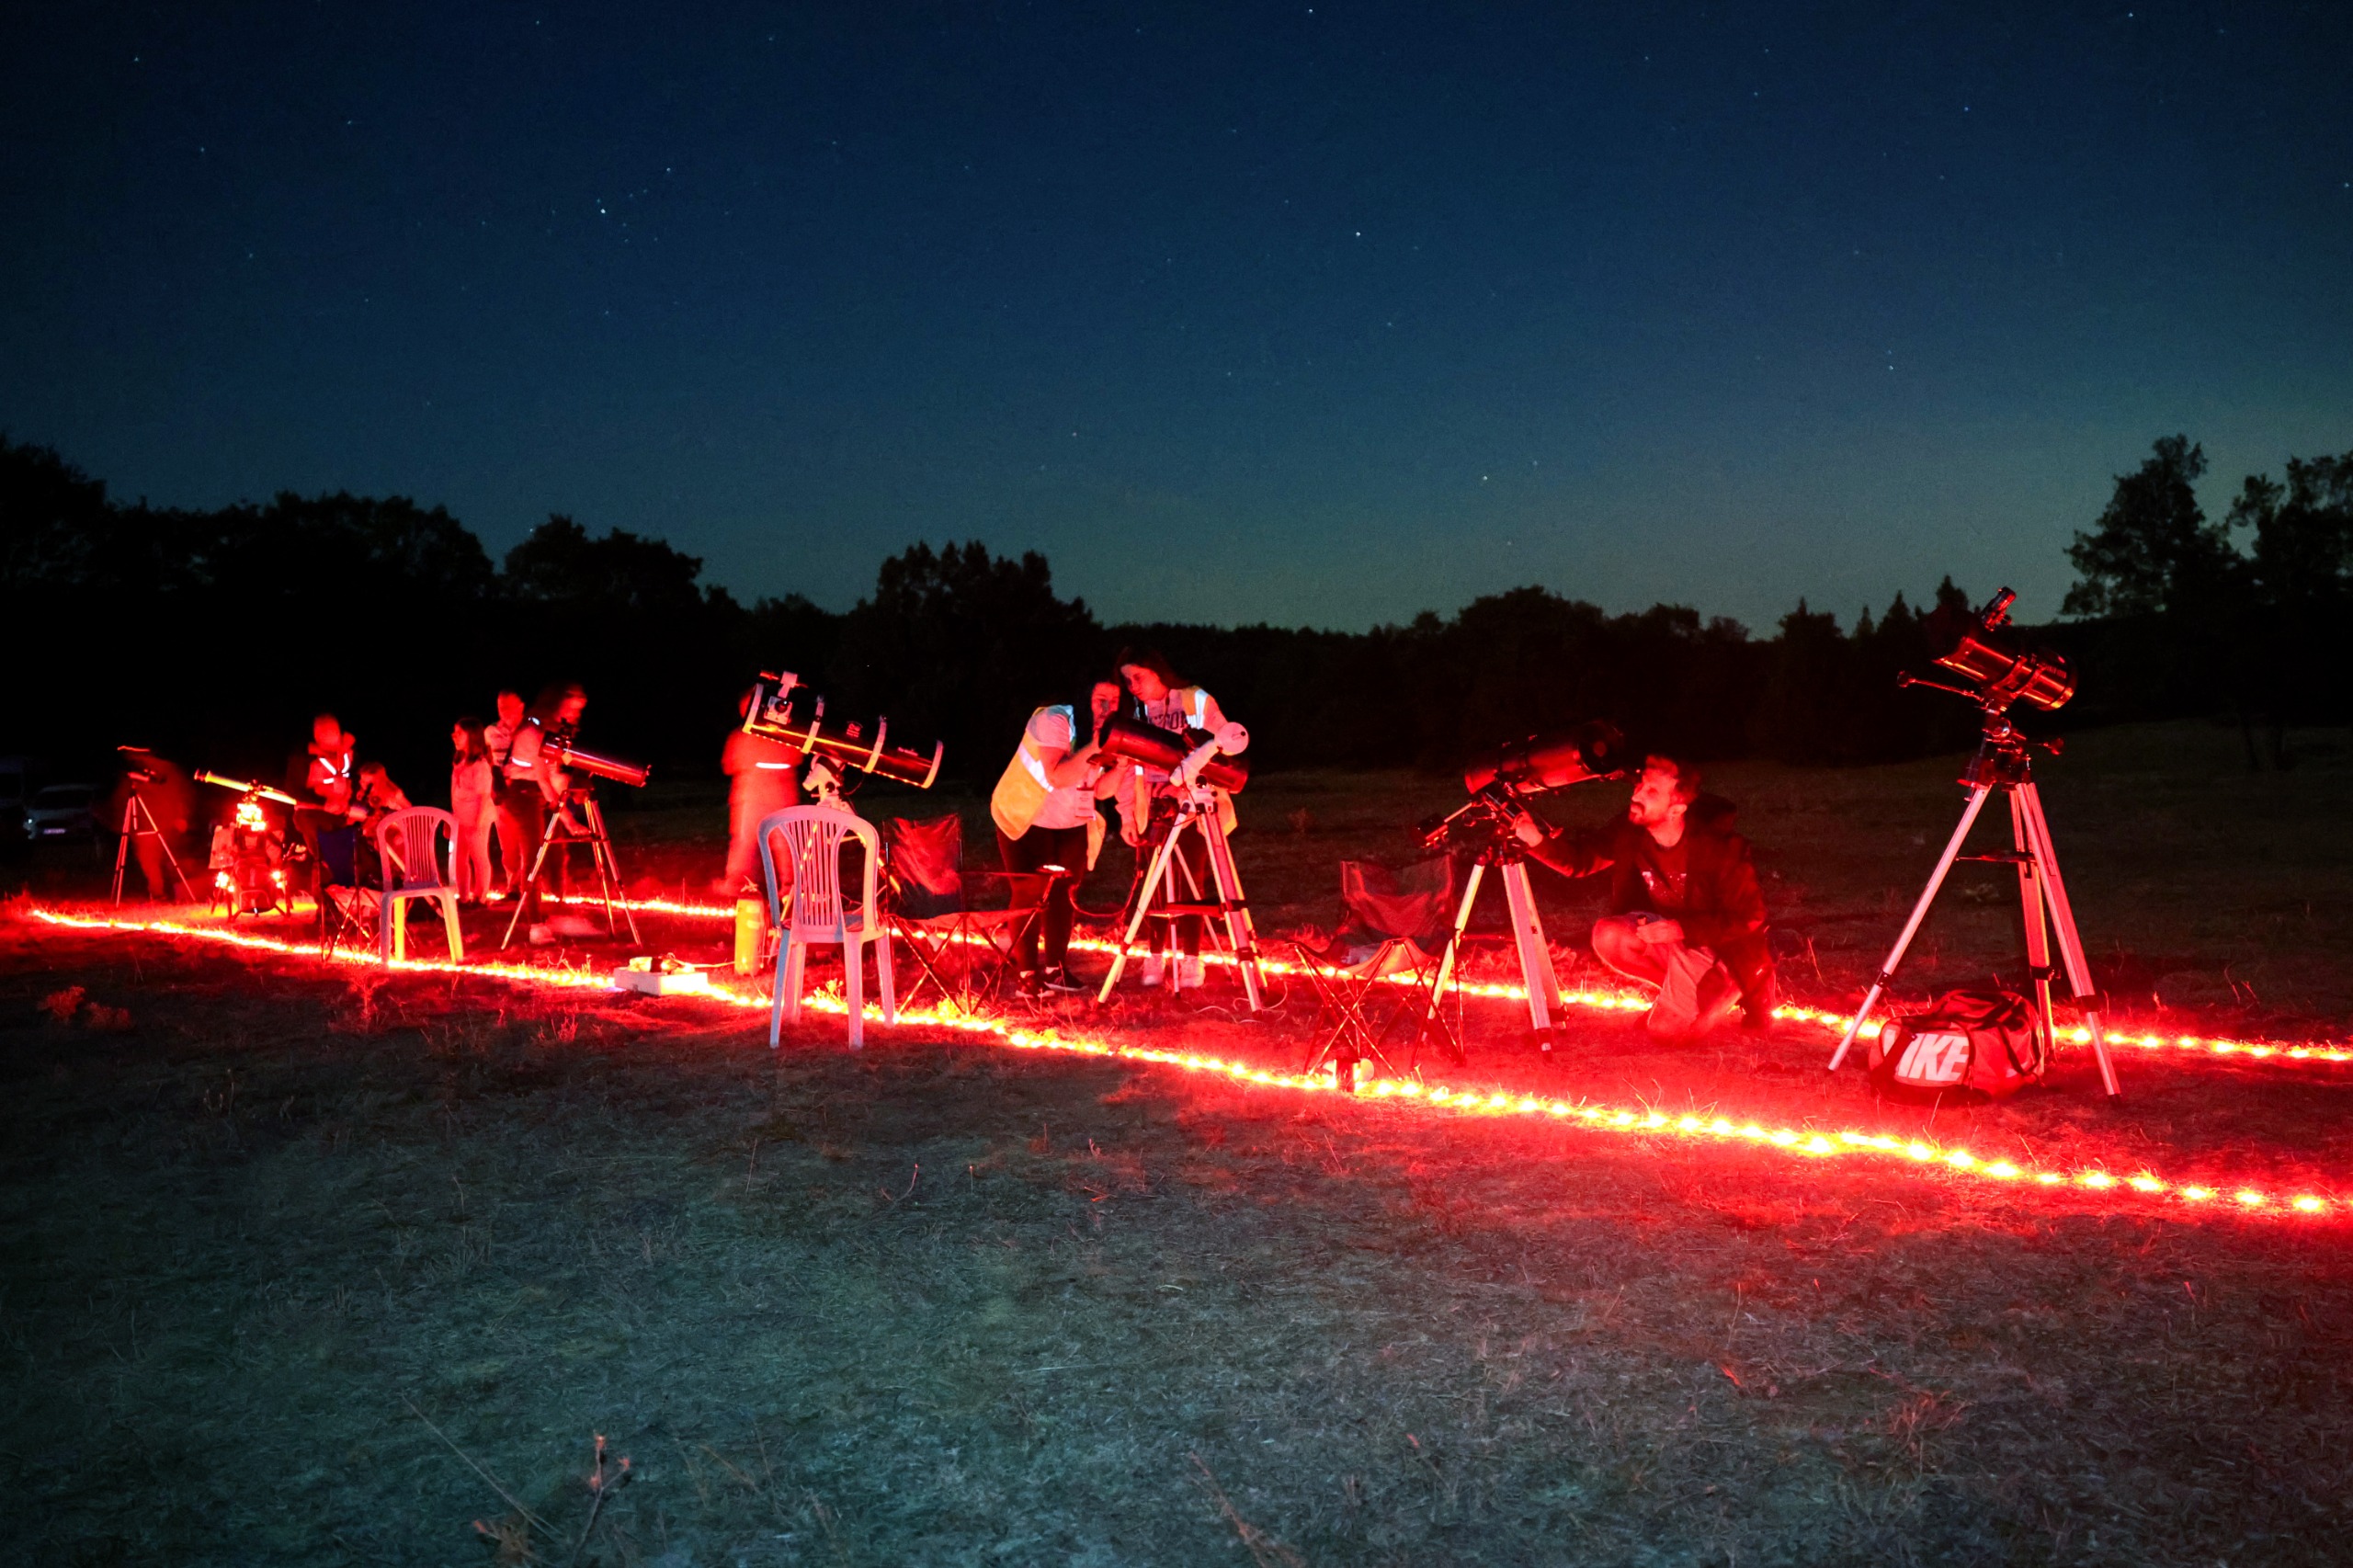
{"type": "Point", "coordinates": [1148, 797]}
{"type": "Point", "coordinates": [535, 784]}
{"type": "Point", "coordinates": [1044, 808]}
{"type": "Point", "coordinates": [1687, 913]}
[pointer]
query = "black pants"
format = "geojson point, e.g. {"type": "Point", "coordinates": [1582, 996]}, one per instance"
{"type": "Point", "coordinates": [1033, 851]}
{"type": "Point", "coordinates": [529, 809]}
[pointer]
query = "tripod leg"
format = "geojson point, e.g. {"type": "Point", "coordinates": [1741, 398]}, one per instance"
{"type": "Point", "coordinates": [123, 843]}
{"type": "Point", "coordinates": [2062, 925]}
{"type": "Point", "coordinates": [1238, 926]}
{"type": "Point", "coordinates": [608, 873]}
{"type": "Point", "coordinates": [1151, 880]}
{"type": "Point", "coordinates": [1912, 926]}
{"type": "Point", "coordinates": [172, 861]}
{"type": "Point", "coordinates": [522, 894]}
{"type": "Point", "coordinates": [1536, 973]}
{"type": "Point", "coordinates": [1453, 950]}
{"type": "Point", "coordinates": [2036, 912]}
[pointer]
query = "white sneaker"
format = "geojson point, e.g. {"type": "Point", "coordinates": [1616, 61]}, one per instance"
{"type": "Point", "coordinates": [539, 935]}
{"type": "Point", "coordinates": [1188, 973]}
{"type": "Point", "coordinates": [572, 926]}
{"type": "Point", "coordinates": [1151, 974]}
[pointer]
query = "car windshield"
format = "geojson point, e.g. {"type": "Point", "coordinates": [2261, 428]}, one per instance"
{"type": "Point", "coordinates": [63, 795]}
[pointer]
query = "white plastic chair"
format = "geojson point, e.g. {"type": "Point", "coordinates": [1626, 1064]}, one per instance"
{"type": "Point", "coordinates": [407, 843]}
{"type": "Point", "coordinates": [809, 909]}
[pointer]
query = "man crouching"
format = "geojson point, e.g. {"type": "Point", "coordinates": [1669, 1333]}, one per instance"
{"type": "Point", "coordinates": [1687, 915]}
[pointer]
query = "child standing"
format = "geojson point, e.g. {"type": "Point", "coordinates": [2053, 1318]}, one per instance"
{"type": "Point", "coordinates": [470, 802]}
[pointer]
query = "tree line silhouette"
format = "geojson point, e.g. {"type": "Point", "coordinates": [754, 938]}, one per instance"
{"type": "Point", "coordinates": [214, 636]}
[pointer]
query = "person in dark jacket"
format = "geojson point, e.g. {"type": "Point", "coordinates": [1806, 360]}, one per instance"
{"type": "Point", "coordinates": [1687, 914]}
{"type": "Point", "coordinates": [169, 800]}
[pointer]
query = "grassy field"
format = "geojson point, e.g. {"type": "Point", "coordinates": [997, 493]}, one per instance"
{"type": "Point", "coordinates": [312, 1266]}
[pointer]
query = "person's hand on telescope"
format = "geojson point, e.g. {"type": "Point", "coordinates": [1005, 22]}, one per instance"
{"type": "Point", "coordinates": [1526, 829]}
{"type": "Point", "coordinates": [1130, 834]}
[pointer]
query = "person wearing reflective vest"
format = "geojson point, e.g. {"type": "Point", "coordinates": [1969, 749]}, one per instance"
{"type": "Point", "coordinates": [1147, 795]}
{"type": "Point", "coordinates": [1046, 819]}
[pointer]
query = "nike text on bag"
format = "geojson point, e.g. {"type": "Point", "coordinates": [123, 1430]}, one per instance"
{"type": "Point", "coordinates": [1971, 1045]}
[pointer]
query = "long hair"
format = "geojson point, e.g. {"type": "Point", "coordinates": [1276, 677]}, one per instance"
{"type": "Point", "coordinates": [471, 749]}
{"type": "Point", "coordinates": [1081, 705]}
{"type": "Point", "coordinates": [551, 701]}
{"type": "Point", "coordinates": [1152, 659]}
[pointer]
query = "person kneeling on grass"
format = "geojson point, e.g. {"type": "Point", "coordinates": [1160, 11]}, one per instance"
{"type": "Point", "coordinates": [1687, 914]}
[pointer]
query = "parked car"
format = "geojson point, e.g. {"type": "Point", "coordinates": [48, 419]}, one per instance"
{"type": "Point", "coordinates": [63, 811]}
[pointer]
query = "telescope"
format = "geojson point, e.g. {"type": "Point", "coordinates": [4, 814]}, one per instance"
{"type": "Point", "coordinates": [1548, 762]}
{"type": "Point", "coordinates": [771, 715]}
{"type": "Point", "coordinates": [567, 756]}
{"type": "Point", "coordinates": [245, 787]}
{"type": "Point", "coordinates": [1498, 780]}
{"type": "Point", "coordinates": [1135, 741]}
{"type": "Point", "coordinates": [1999, 673]}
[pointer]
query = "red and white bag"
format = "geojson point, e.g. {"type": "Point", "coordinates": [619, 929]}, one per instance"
{"type": "Point", "coordinates": [1971, 1045]}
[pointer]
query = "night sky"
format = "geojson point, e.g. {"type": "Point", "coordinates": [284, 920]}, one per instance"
{"type": "Point", "coordinates": [1317, 314]}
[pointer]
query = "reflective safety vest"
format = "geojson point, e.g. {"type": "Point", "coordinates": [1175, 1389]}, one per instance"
{"type": "Point", "coordinates": [1021, 791]}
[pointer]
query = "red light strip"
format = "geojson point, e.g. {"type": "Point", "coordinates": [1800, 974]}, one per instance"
{"type": "Point", "coordinates": [2142, 1191]}
{"type": "Point", "coordinates": [2185, 1046]}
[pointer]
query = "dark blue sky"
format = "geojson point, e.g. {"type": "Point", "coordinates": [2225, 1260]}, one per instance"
{"type": "Point", "coordinates": [1317, 314]}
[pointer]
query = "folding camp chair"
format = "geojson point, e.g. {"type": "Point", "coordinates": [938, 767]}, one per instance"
{"type": "Point", "coordinates": [348, 907]}
{"type": "Point", "coordinates": [962, 951]}
{"type": "Point", "coordinates": [1397, 924]}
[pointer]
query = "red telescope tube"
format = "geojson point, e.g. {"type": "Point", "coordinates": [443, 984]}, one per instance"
{"type": "Point", "coordinates": [1152, 746]}
{"type": "Point", "coordinates": [633, 773]}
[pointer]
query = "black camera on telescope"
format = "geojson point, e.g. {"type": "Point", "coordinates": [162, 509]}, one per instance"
{"type": "Point", "coordinates": [775, 714]}
{"type": "Point", "coordinates": [2000, 673]}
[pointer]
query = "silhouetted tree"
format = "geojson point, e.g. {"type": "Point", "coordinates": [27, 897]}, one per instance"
{"type": "Point", "coordinates": [2152, 550]}
{"type": "Point", "coordinates": [2301, 572]}
{"type": "Point", "coordinates": [961, 645]}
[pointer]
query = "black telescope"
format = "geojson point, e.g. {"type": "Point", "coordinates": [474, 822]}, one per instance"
{"type": "Point", "coordinates": [1551, 761]}
{"type": "Point", "coordinates": [1135, 741]}
{"type": "Point", "coordinates": [566, 754]}
{"type": "Point", "coordinates": [771, 715]}
{"type": "Point", "coordinates": [1999, 671]}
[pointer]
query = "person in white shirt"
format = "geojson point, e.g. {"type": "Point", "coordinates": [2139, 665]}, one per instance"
{"type": "Point", "coordinates": [498, 740]}
{"type": "Point", "coordinates": [1148, 797]}
{"type": "Point", "coordinates": [1044, 808]}
{"type": "Point", "coordinates": [473, 802]}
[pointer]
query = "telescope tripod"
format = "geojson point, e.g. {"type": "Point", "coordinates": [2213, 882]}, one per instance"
{"type": "Point", "coordinates": [2001, 765]}
{"type": "Point", "coordinates": [600, 852]}
{"type": "Point", "coordinates": [1536, 975]}
{"type": "Point", "coordinates": [1196, 811]}
{"type": "Point", "coordinates": [134, 809]}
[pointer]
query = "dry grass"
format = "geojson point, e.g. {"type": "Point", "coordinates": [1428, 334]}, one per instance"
{"type": "Point", "coordinates": [932, 1304]}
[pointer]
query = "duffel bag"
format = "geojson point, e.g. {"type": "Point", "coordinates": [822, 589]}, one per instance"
{"type": "Point", "coordinates": [1970, 1045]}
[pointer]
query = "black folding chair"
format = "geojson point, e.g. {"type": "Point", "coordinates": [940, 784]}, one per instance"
{"type": "Point", "coordinates": [347, 906]}
{"type": "Point", "coordinates": [1397, 924]}
{"type": "Point", "coordinates": [964, 952]}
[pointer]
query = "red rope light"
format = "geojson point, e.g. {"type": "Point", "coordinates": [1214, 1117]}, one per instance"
{"type": "Point", "coordinates": [2180, 1047]}
{"type": "Point", "coordinates": [2142, 1191]}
